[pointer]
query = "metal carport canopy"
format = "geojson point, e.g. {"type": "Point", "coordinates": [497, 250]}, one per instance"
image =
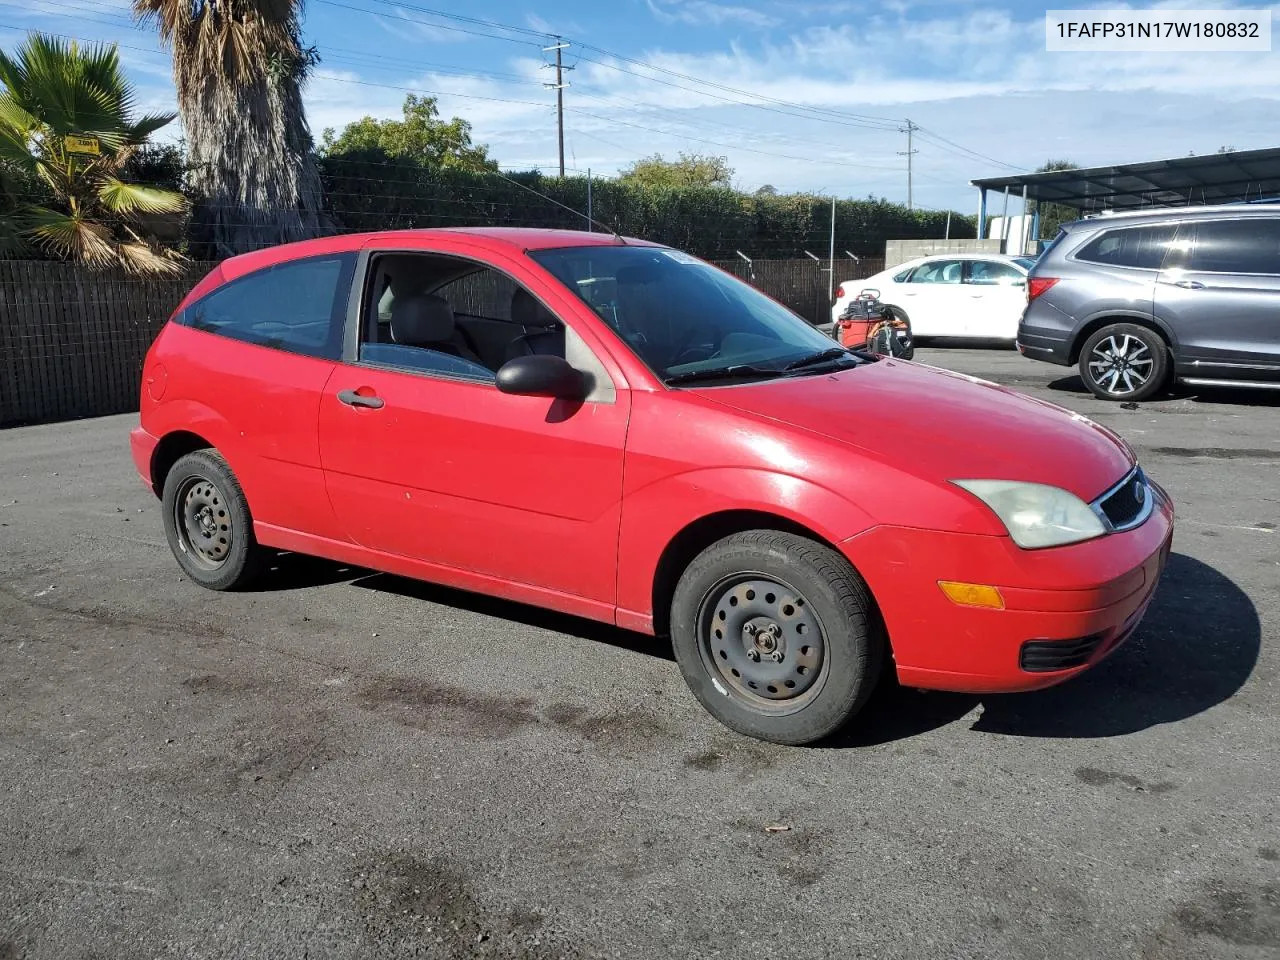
{"type": "Point", "coordinates": [1214, 178]}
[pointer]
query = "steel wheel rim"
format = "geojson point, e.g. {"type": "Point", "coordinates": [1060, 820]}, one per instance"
{"type": "Point", "coordinates": [1121, 366]}
{"type": "Point", "coordinates": [762, 643]}
{"type": "Point", "coordinates": [206, 532]}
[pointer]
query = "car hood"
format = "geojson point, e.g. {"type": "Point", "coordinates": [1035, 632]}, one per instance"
{"type": "Point", "coordinates": [942, 426]}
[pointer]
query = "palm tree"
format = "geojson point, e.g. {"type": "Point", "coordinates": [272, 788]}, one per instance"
{"type": "Point", "coordinates": [239, 67]}
{"type": "Point", "coordinates": [66, 130]}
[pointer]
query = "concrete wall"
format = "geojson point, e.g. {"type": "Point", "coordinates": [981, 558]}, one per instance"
{"type": "Point", "coordinates": [900, 251]}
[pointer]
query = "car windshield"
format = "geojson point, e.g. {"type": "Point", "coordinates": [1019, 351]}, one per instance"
{"type": "Point", "coordinates": [1026, 262]}
{"type": "Point", "coordinates": [684, 318]}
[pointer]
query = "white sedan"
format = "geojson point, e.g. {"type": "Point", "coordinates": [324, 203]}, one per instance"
{"type": "Point", "coordinates": [979, 296]}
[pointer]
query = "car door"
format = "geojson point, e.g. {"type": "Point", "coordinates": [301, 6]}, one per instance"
{"type": "Point", "coordinates": [931, 297]}
{"type": "Point", "coordinates": [995, 291]}
{"type": "Point", "coordinates": [1220, 293]}
{"type": "Point", "coordinates": [424, 458]}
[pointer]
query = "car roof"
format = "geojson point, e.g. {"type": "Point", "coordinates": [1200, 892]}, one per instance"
{"type": "Point", "coordinates": [967, 256]}
{"type": "Point", "coordinates": [1161, 214]}
{"type": "Point", "coordinates": [494, 239]}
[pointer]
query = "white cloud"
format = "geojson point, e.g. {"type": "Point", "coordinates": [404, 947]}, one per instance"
{"type": "Point", "coordinates": [707, 12]}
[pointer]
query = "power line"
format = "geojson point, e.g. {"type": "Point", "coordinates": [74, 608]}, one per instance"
{"type": "Point", "coordinates": [727, 146]}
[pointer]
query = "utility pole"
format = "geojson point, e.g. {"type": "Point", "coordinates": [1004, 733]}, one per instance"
{"type": "Point", "coordinates": [559, 85]}
{"type": "Point", "coordinates": [909, 129]}
{"type": "Point", "coordinates": [831, 260]}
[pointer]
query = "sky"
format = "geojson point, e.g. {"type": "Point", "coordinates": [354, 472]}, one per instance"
{"type": "Point", "coordinates": [809, 95]}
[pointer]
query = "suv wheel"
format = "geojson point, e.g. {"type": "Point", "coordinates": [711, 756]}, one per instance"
{"type": "Point", "coordinates": [1124, 361]}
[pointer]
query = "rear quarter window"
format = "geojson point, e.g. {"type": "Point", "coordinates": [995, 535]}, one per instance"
{"type": "Point", "coordinates": [298, 306]}
{"type": "Point", "coordinates": [1142, 247]}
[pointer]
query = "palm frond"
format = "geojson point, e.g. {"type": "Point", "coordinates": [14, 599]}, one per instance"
{"type": "Point", "coordinates": [14, 116]}
{"type": "Point", "coordinates": [126, 198]}
{"type": "Point", "coordinates": [15, 149]}
{"type": "Point", "coordinates": [70, 89]}
{"type": "Point", "coordinates": [68, 237]}
{"type": "Point", "coordinates": [141, 130]}
{"type": "Point", "coordinates": [140, 259]}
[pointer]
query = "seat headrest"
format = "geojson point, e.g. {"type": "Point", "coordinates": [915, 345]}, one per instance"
{"type": "Point", "coordinates": [527, 311]}
{"type": "Point", "coordinates": [420, 320]}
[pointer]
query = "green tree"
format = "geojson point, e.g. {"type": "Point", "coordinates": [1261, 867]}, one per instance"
{"type": "Point", "coordinates": [1054, 215]}
{"type": "Point", "coordinates": [67, 130]}
{"type": "Point", "coordinates": [239, 67]}
{"type": "Point", "coordinates": [690, 170]}
{"type": "Point", "coordinates": [421, 137]}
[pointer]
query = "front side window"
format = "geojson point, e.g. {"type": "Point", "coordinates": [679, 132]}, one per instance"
{"type": "Point", "coordinates": [1142, 247]}
{"type": "Point", "coordinates": [298, 306]}
{"type": "Point", "coordinates": [683, 317]}
{"type": "Point", "coordinates": [432, 313]}
{"type": "Point", "coordinates": [1248, 245]}
{"type": "Point", "coordinates": [938, 271]}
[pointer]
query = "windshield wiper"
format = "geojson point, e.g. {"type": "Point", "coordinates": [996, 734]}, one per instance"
{"type": "Point", "coordinates": [725, 373]}
{"type": "Point", "coordinates": [825, 356]}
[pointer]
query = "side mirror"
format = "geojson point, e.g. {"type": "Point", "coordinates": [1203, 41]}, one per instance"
{"type": "Point", "coordinates": [541, 376]}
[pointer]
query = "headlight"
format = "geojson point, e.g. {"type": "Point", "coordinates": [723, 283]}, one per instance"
{"type": "Point", "coordinates": [1037, 515]}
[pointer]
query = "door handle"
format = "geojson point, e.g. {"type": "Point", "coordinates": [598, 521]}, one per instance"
{"type": "Point", "coordinates": [1189, 284]}
{"type": "Point", "coordinates": [353, 399]}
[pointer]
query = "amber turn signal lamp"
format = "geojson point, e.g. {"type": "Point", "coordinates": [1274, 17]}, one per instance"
{"type": "Point", "coordinates": [972, 594]}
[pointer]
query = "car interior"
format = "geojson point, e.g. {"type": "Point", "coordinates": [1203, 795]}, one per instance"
{"type": "Point", "coordinates": [448, 315]}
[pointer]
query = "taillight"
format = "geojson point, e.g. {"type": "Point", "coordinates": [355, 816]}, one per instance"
{"type": "Point", "coordinates": [840, 292]}
{"type": "Point", "coordinates": [1039, 285]}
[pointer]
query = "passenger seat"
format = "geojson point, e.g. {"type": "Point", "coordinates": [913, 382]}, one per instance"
{"type": "Point", "coordinates": [543, 333]}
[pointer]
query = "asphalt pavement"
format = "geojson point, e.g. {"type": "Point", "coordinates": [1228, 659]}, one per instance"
{"type": "Point", "coordinates": [344, 764]}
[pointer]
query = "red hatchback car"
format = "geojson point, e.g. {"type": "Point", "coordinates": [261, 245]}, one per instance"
{"type": "Point", "coordinates": [617, 430]}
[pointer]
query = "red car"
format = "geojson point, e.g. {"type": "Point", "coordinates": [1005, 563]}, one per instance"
{"type": "Point", "coordinates": [617, 430]}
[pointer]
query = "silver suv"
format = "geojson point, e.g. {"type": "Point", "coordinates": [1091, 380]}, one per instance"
{"type": "Point", "coordinates": [1137, 298]}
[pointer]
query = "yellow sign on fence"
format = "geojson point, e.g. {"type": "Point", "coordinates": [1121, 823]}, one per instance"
{"type": "Point", "coordinates": [87, 145]}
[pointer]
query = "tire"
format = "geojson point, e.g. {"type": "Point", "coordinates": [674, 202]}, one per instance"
{"type": "Point", "coordinates": [910, 352]}
{"type": "Point", "coordinates": [785, 597]}
{"type": "Point", "coordinates": [1124, 361]}
{"type": "Point", "coordinates": [208, 524]}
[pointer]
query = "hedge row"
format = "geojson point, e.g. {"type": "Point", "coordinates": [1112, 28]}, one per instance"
{"type": "Point", "coordinates": [370, 193]}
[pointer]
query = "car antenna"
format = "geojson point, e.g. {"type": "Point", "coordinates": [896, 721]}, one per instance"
{"type": "Point", "coordinates": [604, 226]}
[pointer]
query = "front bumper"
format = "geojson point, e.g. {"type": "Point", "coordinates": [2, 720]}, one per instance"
{"type": "Point", "coordinates": [1088, 597]}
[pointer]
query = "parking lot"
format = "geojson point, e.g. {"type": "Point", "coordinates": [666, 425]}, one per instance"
{"type": "Point", "coordinates": [345, 764]}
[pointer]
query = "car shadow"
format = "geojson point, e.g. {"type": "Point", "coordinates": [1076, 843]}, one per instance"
{"type": "Point", "coordinates": [1197, 645]}
{"type": "Point", "coordinates": [1180, 391]}
{"type": "Point", "coordinates": [518, 613]}
{"type": "Point", "coordinates": [298, 571]}
{"type": "Point", "coordinates": [967, 343]}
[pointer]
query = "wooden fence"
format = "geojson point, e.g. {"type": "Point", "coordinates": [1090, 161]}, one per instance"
{"type": "Point", "coordinates": [72, 340]}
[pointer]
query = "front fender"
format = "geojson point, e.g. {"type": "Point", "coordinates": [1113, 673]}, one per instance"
{"type": "Point", "coordinates": [654, 515]}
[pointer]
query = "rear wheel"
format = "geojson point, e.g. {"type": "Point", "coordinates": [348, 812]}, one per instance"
{"type": "Point", "coordinates": [207, 522]}
{"type": "Point", "coordinates": [1124, 361]}
{"type": "Point", "coordinates": [777, 636]}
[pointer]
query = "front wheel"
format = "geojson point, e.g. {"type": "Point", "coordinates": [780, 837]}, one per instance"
{"type": "Point", "coordinates": [1124, 361]}
{"type": "Point", "coordinates": [777, 636]}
